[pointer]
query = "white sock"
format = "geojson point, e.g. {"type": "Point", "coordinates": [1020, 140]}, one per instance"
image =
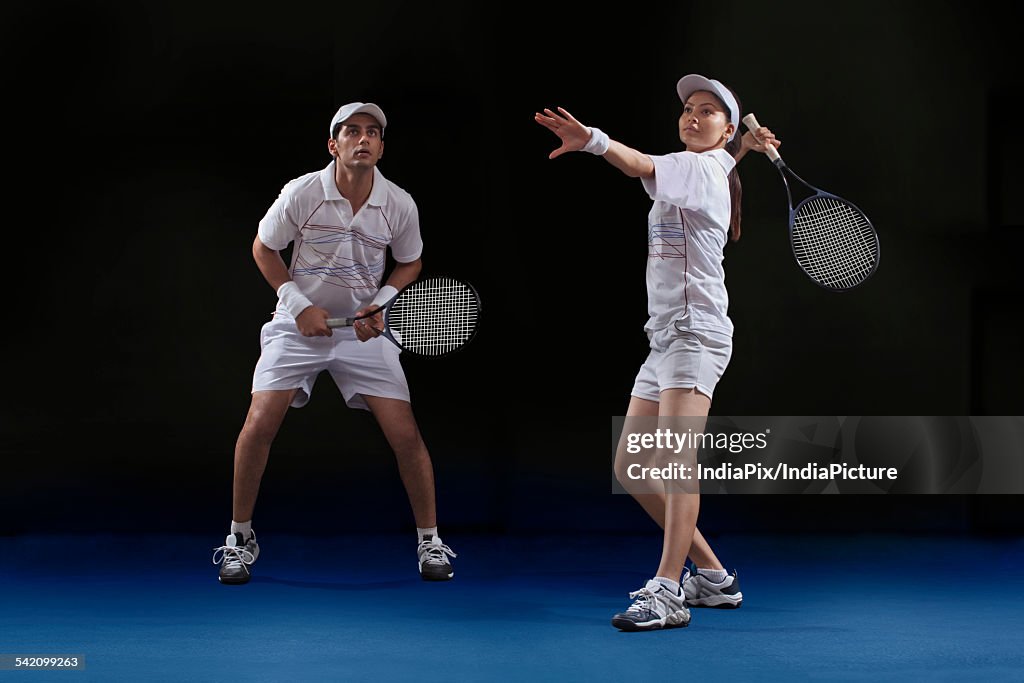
{"type": "Point", "coordinates": [669, 584]}
{"type": "Point", "coordinates": [714, 575]}
{"type": "Point", "coordinates": [244, 527]}
{"type": "Point", "coordinates": [432, 531]}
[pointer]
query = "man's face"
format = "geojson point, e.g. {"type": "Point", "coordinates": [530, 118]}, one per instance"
{"type": "Point", "coordinates": [359, 143]}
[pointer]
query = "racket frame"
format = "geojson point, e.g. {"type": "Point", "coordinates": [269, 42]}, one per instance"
{"type": "Point", "coordinates": [386, 307]}
{"type": "Point", "coordinates": [819, 193]}
{"type": "Point", "coordinates": [751, 122]}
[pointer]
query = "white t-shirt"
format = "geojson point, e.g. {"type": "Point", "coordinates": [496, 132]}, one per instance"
{"type": "Point", "coordinates": [339, 258]}
{"type": "Point", "coordinates": [687, 229]}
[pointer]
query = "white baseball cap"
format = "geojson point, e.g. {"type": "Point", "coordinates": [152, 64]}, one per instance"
{"type": "Point", "coordinates": [690, 84]}
{"type": "Point", "coordinates": [353, 108]}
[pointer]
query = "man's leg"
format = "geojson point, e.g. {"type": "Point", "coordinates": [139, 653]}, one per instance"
{"type": "Point", "coordinates": [266, 413]}
{"type": "Point", "coordinates": [240, 550]}
{"type": "Point", "coordinates": [398, 423]}
{"type": "Point", "coordinates": [396, 420]}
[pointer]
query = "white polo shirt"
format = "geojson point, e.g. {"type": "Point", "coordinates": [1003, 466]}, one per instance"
{"type": "Point", "coordinates": [339, 258]}
{"type": "Point", "coordinates": [687, 229]}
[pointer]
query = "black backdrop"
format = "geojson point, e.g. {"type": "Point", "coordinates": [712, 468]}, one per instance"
{"type": "Point", "coordinates": [144, 142]}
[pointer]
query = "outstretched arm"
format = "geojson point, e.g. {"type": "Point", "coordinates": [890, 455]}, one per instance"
{"type": "Point", "coordinates": [575, 137]}
{"type": "Point", "coordinates": [632, 162]}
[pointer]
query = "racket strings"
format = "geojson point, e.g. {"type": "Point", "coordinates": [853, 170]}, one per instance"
{"type": "Point", "coordinates": [434, 316]}
{"type": "Point", "coordinates": [834, 243]}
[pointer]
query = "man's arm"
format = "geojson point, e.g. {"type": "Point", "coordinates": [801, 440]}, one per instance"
{"type": "Point", "coordinates": [405, 273]}
{"type": "Point", "coordinates": [270, 264]}
{"type": "Point", "coordinates": [402, 275]}
{"type": "Point", "coordinates": [311, 320]}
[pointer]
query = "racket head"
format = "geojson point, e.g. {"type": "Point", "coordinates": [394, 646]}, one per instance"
{"type": "Point", "coordinates": [833, 241]}
{"type": "Point", "coordinates": [433, 317]}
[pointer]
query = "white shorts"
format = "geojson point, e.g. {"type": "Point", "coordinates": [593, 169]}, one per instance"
{"type": "Point", "coordinates": [683, 359]}
{"type": "Point", "coordinates": [291, 361]}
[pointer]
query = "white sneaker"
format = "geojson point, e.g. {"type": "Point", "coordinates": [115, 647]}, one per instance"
{"type": "Point", "coordinates": [654, 607]}
{"type": "Point", "coordinates": [700, 591]}
{"type": "Point", "coordinates": [434, 564]}
{"type": "Point", "coordinates": [235, 558]}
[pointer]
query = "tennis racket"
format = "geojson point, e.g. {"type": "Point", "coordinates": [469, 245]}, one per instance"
{"type": "Point", "coordinates": [431, 317]}
{"type": "Point", "coordinates": [833, 241]}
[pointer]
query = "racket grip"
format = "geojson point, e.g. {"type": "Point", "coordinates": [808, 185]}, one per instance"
{"type": "Point", "coordinates": [340, 322]}
{"type": "Point", "coordinates": [751, 122]}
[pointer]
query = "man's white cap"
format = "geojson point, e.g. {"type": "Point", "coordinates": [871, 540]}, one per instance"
{"type": "Point", "coordinates": [688, 85]}
{"type": "Point", "coordinates": [353, 108]}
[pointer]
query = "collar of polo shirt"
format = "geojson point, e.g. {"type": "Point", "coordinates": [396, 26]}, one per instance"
{"type": "Point", "coordinates": [378, 195]}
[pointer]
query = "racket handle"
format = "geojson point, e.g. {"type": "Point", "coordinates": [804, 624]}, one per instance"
{"type": "Point", "coordinates": [348, 322]}
{"type": "Point", "coordinates": [751, 122]}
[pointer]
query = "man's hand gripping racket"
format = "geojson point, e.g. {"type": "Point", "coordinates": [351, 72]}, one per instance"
{"type": "Point", "coordinates": [833, 241]}
{"type": "Point", "coordinates": [431, 317]}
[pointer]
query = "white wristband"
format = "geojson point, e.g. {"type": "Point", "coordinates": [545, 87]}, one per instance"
{"type": "Point", "coordinates": [598, 143]}
{"type": "Point", "coordinates": [384, 295]}
{"type": "Point", "coordinates": [292, 298]}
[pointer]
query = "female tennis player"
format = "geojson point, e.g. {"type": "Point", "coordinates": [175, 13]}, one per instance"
{"type": "Point", "coordinates": [696, 196]}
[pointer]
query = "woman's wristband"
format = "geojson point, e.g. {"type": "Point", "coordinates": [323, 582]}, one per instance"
{"type": "Point", "coordinates": [598, 143]}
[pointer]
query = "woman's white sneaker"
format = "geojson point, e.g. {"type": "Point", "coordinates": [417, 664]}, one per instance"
{"type": "Point", "coordinates": [654, 607]}
{"type": "Point", "coordinates": [700, 591]}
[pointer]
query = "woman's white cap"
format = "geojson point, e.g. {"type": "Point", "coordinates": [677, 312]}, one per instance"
{"type": "Point", "coordinates": [690, 84]}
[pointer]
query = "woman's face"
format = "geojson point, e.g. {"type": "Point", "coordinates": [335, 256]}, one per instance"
{"type": "Point", "coordinates": [704, 124]}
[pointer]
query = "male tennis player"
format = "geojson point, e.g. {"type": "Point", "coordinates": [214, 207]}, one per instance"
{"type": "Point", "coordinates": [341, 219]}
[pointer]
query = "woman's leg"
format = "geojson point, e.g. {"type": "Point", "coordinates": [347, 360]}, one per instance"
{"type": "Point", "coordinates": [654, 503]}
{"type": "Point", "coordinates": [680, 508]}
